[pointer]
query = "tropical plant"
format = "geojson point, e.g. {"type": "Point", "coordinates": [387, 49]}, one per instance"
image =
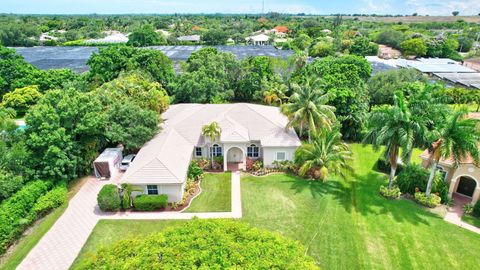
{"type": "Point", "coordinates": [127, 199]}
{"type": "Point", "coordinates": [325, 153]}
{"type": "Point", "coordinates": [307, 107]}
{"type": "Point", "coordinates": [389, 127]}
{"type": "Point", "coordinates": [212, 132]}
{"type": "Point", "coordinates": [458, 139]}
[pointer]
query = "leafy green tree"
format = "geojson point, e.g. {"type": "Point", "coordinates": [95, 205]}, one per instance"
{"type": "Point", "coordinates": [458, 139]}
{"type": "Point", "coordinates": [389, 127]}
{"type": "Point", "coordinates": [215, 37]}
{"type": "Point", "coordinates": [325, 153]}
{"type": "Point", "coordinates": [363, 47]}
{"type": "Point", "coordinates": [130, 124]}
{"type": "Point", "coordinates": [322, 49]}
{"type": "Point", "coordinates": [302, 42]}
{"type": "Point", "coordinates": [9, 184]}
{"type": "Point", "coordinates": [391, 38]}
{"type": "Point", "coordinates": [109, 62]}
{"type": "Point", "coordinates": [307, 107]}
{"type": "Point", "coordinates": [383, 85]}
{"type": "Point", "coordinates": [414, 47]}
{"type": "Point", "coordinates": [12, 68]}
{"type": "Point", "coordinates": [455, 13]}
{"type": "Point", "coordinates": [136, 87]}
{"type": "Point", "coordinates": [255, 71]}
{"type": "Point", "coordinates": [145, 36]}
{"type": "Point", "coordinates": [21, 99]}
{"type": "Point", "coordinates": [465, 43]}
{"type": "Point", "coordinates": [64, 133]}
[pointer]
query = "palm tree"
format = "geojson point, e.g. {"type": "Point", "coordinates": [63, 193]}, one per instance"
{"type": "Point", "coordinates": [211, 131]}
{"type": "Point", "coordinates": [458, 139]}
{"type": "Point", "coordinates": [325, 153]}
{"type": "Point", "coordinates": [427, 112]}
{"type": "Point", "coordinates": [274, 92]}
{"type": "Point", "coordinates": [389, 127]}
{"type": "Point", "coordinates": [308, 107]}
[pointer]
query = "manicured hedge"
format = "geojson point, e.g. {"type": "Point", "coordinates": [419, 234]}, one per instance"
{"type": "Point", "coordinates": [150, 202]}
{"type": "Point", "coordinates": [204, 244]}
{"type": "Point", "coordinates": [17, 212]}
{"type": "Point", "coordinates": [108, 198]}
{"type": "Point", "coordinates": [53, 199]}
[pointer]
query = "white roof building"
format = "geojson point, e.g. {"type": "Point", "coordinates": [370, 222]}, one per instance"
{"type": "Point", "coordinates": [260, 39]}
{"type": "Point", "coordinates": [193, 38]}
{"type": "Point", "coordinates": [248, 131]}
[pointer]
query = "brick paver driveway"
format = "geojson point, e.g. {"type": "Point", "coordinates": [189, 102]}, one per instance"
{"type": "Point", "coordinates": [63, 242]}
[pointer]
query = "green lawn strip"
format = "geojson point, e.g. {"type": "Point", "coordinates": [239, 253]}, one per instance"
{"type": "Point", "coordinates": [216, 194]}
{"type": "Point", "coordinates": [471, 220]}
{"type": "Point", "coordinates": [29, 241]}
{"type": "Point", "coordinates": [343, 224]}
{"type": "Point", "coordinates": [107, 232]}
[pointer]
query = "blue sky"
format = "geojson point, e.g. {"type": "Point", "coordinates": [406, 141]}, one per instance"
{"type": "Point", "coordinates": [431, 7]}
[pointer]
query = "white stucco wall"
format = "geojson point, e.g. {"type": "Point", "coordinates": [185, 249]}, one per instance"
{"type": "Point", "coordinates": [173, 191]}
{"type": "Point", "coordinates": [270, 154]}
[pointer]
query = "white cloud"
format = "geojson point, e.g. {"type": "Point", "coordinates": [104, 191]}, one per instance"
{"type": "Point", "coordinates": [424, 7]}
{"type": "Point", "coordinates": [378, 7]}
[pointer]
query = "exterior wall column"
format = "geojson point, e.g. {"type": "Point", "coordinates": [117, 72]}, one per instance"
{"type": "Point", "coordinates": [476, 195]}
{"type": "Point", "coordinates": [225, 156]}
{"type": "Point", "coordinates": [453, 185]}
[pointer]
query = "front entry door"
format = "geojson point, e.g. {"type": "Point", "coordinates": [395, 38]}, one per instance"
{"type": "Point", "coordinates": [234, 155]}
{"type": "Point", "coordinates": [466, 186]}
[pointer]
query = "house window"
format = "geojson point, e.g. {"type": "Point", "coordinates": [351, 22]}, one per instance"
{"type": "Point", "coordinates": [442, 172]}
{"type": "Point", "coordinates": [216, 150]}
{"type": "Point", "coordinates": [253, 151]}
{"type": "Point", "coordinates": [152, 189]}
{"type": "Point", "coordinates": [280, 156]}
{"type": "Point", "coordinates": [198, 151]}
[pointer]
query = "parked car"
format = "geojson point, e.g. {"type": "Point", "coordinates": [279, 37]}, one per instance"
{"type": "Point", "coordinates": [126, 162]}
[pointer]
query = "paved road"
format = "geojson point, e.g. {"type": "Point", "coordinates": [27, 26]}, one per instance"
{"type": "Point", "coordinates": [62, 243]}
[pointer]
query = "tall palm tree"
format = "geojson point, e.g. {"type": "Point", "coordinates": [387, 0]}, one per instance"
{"type": "Point", "coordinates": [211, 131]}
{"type": "Point", "coordinates": [458, 139]}
{"type": "Point", "coordinates": [307, 107]}
{"type": "Point", "coordinates": [389, 127]}
{"type": "Point", "coordinates": [274, 92]}
{"type": "Point", "coordinates": [325, 153]}
{"type": "Point", "coordinates": [427, 112]}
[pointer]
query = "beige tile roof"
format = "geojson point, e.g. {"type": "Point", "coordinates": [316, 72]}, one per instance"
{"type": "Point", "coordinates": [166, 157]}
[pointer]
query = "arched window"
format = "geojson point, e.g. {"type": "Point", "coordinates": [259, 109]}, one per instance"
{"type": "Point", "coordinates": [216, 150]}
{"type": "Point", "coordinates": [253, 151]}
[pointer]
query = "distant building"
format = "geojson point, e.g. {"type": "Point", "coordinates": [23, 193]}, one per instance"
{"type": "Point", "coordinates": [257, 40]}
{"type": "Point", "coordinates": [113, 36]}
{"type": "Point", "coordinates": [191, 38]}
{"type": "Point", "coordinates": [473, 63]}
{"type": "Point", "coordinates": [46, 37]}
{"type": "Point", "coordinates": [387, 52]}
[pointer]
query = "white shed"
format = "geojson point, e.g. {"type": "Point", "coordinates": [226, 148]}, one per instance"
{"type": "Point", "coordinates": [107, 163]}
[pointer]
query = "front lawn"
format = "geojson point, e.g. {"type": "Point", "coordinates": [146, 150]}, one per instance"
{"type": "Point", "coordinates": [343, 224]}
{"type": "Point", "coordinates": [471, 220]}
{"type": "Point", "coordinates": [216, 194]}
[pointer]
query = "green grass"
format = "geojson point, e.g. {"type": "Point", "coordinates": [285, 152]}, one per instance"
{"type": "Point", "coordinates": [471, 220]}
{"type": "Point", "coordinates": [216, 194]}
{"type": "Point", "coordinates": [343, 224]}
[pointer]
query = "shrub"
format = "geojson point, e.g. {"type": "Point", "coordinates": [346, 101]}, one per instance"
{"type": "Point", "coordinates": [204, 244]}
{"type": "Point", "coordinates": [9, 184]}
{"type": "Point", "coordinates": [468, 208]}
{"type": "Point", "coordinates": [476, 209]}
{"type": "Point", "coordinates": [16, 212]}
{"type": "Point", "coordinates": [203, 163]}
{"type": "Point", "coordinates": [413, 177]}
{"type": "Point", "coordinates": [257, 165]}
{"type": "Point", "coordinates": [51, 200]}
{"type": "Point", "coordinates": [383, 166]}
{"type": "Point", "coordinates": [108, 198]}
{"type": "Point", "coordinates": [430, 201]}
{"type": "Point", "coordinates": [286, 166]}
{"type": "Point", "coordinates": [150, 202]}
{"type": "Point", "coordinates": [393, 193]}
{"type": "Point", "coordinates": [194, 171]}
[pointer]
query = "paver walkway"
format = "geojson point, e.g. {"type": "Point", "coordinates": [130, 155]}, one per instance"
{"type": "Point", "coordinates": [61, 244]}
{"type": "Point", "coordinates": [455, 213]}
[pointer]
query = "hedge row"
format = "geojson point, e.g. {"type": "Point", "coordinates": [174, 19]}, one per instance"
{"type": "Point", "coordinates": [53, 199]}
{"type": "Point", "coordinates": [16, 213]}
{"type": "Point", "coordinates": [150, 202]}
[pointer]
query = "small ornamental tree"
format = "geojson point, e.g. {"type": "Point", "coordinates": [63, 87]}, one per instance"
{"type": "Point", "coordinates": [21, 99]}
{"type": "Point", "coordinates": [108, 198]}
{"type": "Point", "coordinates": [204, 244]}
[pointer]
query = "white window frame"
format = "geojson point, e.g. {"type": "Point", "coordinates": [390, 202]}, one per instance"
{"type": "Point", "coordinates": [150, 188]}
{"type": "Point", "coordinates": [253, 151]}
{"type": "Point", "coordinates": [196, 151]}
{"type": "Point", "coordinates": [216, 150]}
{"type": "Point", "coordinates": [284, 155]}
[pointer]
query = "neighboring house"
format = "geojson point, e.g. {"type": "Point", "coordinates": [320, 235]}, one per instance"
{"type": "Point", "coordinates": [463, 179]}
{"type": "Point", "coordinates": [46, 37]}
{"type": "Point", "coordinates": [248, 131]}
{"type": "Point", "coordinates": [192, 38]}
{"type": "Point", "coordinates": [260, 39]}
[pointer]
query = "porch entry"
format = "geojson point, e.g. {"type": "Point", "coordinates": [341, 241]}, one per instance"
{"type": "Point", "coordinates": [466, 186]}
{"type": "Point", "coordinates": [234, 159]}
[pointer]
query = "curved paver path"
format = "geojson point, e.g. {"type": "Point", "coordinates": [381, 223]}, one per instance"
{"type": "Point", "coordinates": [61, 244]}
{"type": "Point", "coordinates": [455, 213]}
